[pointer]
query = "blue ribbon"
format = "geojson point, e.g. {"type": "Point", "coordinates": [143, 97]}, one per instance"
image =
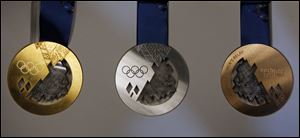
{"type": "Point", "coordinates": [152, 22]}
{"type": "Point", "coordinates": [56, 19]}
{"type": "Point", "coordinates": [255, 27]}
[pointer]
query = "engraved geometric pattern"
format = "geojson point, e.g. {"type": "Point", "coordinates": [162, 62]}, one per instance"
{"type": "Point", "coordinates": [52, 53]}
{"type": "Point", "coordinates": [154, 52]}
{"type": "Point", "coordinates": [250, 89]}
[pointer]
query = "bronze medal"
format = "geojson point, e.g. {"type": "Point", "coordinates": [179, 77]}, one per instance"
{"type": "Point", "coordinates": [257, 79]}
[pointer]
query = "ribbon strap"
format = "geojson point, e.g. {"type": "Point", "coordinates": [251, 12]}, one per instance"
{"type": "Point", "coordinates": [152, 22]}
{"type": "Point", "coordinates": [255, 27]}
{"type": "Point", "coordinates": [56, 18]}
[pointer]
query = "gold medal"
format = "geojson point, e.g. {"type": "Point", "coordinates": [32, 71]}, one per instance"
{"type": "Point", "coordinates": [257, 79]}
{"type": "Point", "coordinates": [44, 78]}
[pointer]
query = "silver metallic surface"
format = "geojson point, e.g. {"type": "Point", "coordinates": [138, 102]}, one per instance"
{"type": "Point", "coordinates": [152, 79]}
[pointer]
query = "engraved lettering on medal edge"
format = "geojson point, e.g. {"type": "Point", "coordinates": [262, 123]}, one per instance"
{"type": "Point", "coordinates": [251, 90]}
{"type": "Point", "coordinates": [162, 85]}
{"type": "Point", "coordinates": [234, 57]}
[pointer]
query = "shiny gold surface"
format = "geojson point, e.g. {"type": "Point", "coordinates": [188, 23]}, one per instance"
{"type": "Point", "coordinates": [273, 71]}
{"type": "Point", "coordinates": [30, 65]}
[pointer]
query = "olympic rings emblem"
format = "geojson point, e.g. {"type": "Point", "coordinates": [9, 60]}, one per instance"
{"type": "Point", "coordinates": [28, 67]}
{"type": "Point", "coordinates": [135, 71]}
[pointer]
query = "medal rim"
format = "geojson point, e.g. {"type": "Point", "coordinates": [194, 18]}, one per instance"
{"type": "Point", "coordinates": [40, 109]}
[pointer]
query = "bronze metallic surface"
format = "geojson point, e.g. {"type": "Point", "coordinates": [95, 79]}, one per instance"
{"type": "Point", "coordinates": [30, 67]}
{"type": "Point", "coordinates": [257, 79]}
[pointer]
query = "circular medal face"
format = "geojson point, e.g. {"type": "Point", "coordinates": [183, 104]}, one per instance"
{"type": "Point", "coordinates": [44, 78]}
{"type": "Point", "coordinates": [152, 79]}
{"type": "Point", "coordinates": [257, 79]}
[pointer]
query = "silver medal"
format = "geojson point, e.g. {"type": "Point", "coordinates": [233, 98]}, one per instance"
{"type": "Point", "coordinates": [152, 79]}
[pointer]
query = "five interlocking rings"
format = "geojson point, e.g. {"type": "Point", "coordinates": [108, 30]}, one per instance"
{"type": "Point", "coordinates": [134, 71]}
{"type": "Point", "coordinates": [28, 67]}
